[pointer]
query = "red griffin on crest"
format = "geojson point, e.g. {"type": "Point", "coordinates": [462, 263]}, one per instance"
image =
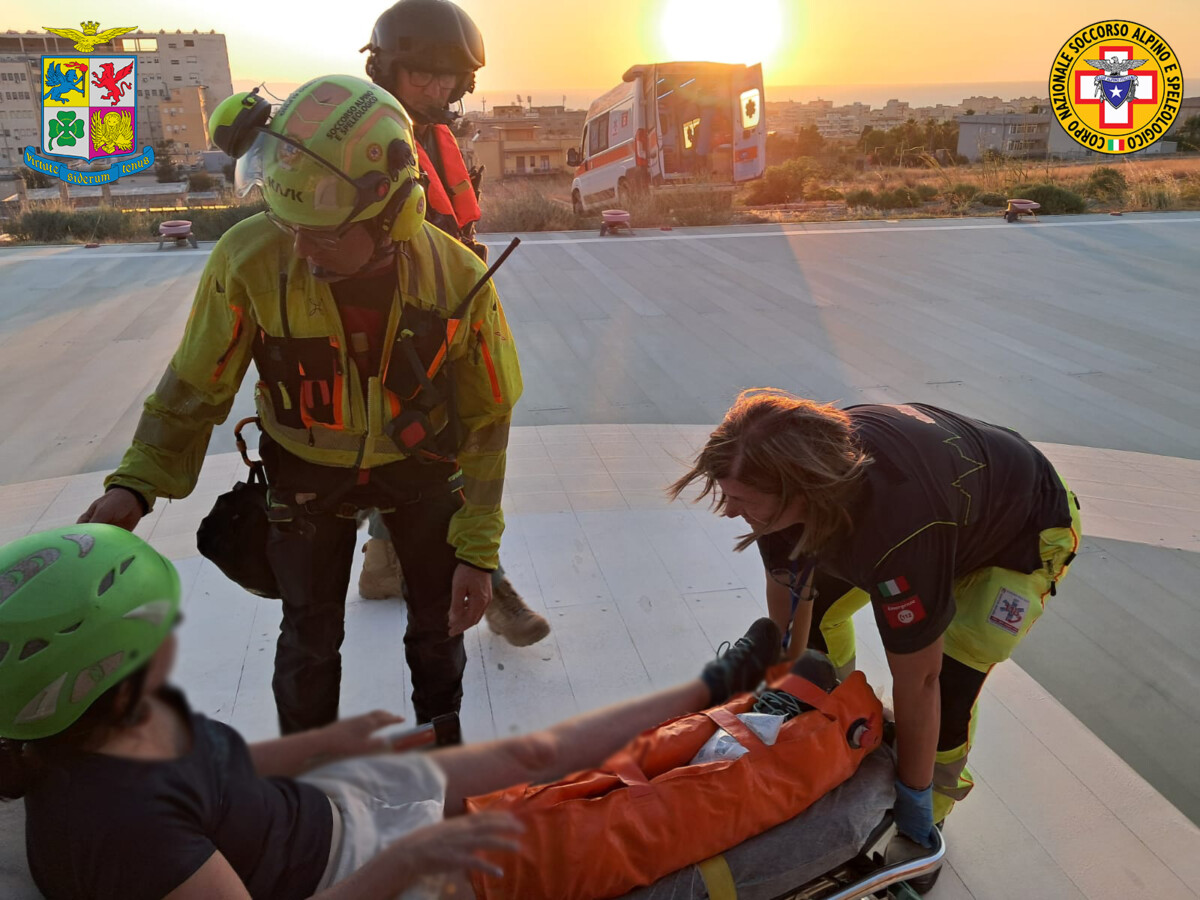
{"type": "Point", "coordinates": [111, 82]}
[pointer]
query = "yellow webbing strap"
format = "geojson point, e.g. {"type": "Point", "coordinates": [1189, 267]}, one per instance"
{"type": "Point", "coordinates": [718, 879]}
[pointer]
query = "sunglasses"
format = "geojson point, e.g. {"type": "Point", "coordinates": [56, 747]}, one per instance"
{"type": "Point", "coordinates": [327, 238]}
{"type": "Point", "coordinates": [423, 79]}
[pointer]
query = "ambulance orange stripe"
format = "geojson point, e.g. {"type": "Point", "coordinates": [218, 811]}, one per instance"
{"type": "Point", "coordinates": [625, 151]}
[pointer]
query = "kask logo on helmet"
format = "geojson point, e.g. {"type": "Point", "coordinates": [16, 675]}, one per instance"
{"type": "Point", "coordinates": [347, 120]}
{"type": "Point", "coordinates": [287, 193]}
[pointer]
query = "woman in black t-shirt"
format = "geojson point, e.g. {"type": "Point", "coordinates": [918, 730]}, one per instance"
{"type": "Point", "coordinates": [130, 794]}
{"type": "Point", "coordinates": [954, 530]}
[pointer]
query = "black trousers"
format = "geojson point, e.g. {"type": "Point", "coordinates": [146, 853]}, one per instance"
{"type": "Point", "coordinates": [311, 555]}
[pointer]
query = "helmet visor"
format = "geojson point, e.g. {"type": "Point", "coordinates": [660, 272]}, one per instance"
{"type": "Point", "coordinates": [300, 188]}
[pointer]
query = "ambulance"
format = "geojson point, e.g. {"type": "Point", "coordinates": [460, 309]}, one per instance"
{"type": "Point", "coordinates": [671, 126]}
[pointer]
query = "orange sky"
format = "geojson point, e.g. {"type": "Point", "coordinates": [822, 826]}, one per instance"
{"type": "Point", "coordinates": [549, 47]}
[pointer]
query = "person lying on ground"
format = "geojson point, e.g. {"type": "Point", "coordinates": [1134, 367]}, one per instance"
{"type": "Point", "coordinates": [130, 793]}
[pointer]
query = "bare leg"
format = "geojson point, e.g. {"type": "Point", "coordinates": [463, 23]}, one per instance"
{"type": "Point", "coordinates": [582, 742]}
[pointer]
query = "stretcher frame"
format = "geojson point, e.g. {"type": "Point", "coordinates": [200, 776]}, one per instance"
{"type": "Point", "coordinates": [867, 875]}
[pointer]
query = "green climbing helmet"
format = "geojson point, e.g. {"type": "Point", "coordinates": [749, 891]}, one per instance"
{"type": "Point", "coordinates": [339, 150]}
{"type": "Point", "coordinates": [81, 607]}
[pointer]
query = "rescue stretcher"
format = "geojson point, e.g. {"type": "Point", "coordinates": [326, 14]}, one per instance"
{"type": "Point", "coordinates": [834, 850]}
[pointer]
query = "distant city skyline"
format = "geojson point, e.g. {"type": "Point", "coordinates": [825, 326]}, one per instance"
{"type": "Point", "coordinates": [950, 94]}
{"type": "Point", "coordinates": [930, 51]}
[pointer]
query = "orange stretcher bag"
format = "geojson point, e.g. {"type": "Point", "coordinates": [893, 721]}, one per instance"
{"type": "Point", "coordinates": [647, 812]}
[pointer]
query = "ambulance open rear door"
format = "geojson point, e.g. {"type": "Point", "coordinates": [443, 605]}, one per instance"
{"type": "Point", "coordinates": [750, 125]}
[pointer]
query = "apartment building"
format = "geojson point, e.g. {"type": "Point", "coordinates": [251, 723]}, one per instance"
{"type": "Point", "coordinates": [20, 120]}
{"type": "Point", "coordinates": [181, 77]}
{"type": "Point", "coordinates": [1012, 134]}
{"type": "Point", "coordinates": [516, 141]}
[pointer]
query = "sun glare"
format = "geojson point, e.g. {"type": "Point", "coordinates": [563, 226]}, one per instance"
{"type": "Point", "coordinates": [744, 31]}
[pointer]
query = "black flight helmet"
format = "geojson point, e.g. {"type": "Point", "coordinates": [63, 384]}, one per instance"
{"type": "Point", "coordinates": [426, 36]}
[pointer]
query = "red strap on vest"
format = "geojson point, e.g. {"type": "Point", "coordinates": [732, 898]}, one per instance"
{"type": "Point", "coordinates": [457, 197]}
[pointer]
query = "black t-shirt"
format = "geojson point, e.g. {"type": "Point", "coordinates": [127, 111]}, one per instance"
{"type": "Point", "coordinates": [945, 496]}
{"type": "Point", "coordinates": [105, 827]}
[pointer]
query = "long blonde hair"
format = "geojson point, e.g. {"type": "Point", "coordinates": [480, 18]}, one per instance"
{"type": "Point", "coordinates": [784, 445]}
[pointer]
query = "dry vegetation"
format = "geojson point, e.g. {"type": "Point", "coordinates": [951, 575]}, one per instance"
{"type": "Point", "coordinates": [828, 193]}
{"type": "Point", "coordinates": [816, 191]}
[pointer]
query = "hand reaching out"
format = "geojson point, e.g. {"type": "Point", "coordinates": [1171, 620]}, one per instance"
{"type": "Point", "coordinates": [352, 736]}
{"type": "Point", "coordinates": [453, 845]}
{"type": "Point", "coordinates": [116, 507]}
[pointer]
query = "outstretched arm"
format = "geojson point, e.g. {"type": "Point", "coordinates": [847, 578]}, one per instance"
{"type": "Point", "coordinates": [296, 754]}
{"type": "Point", "coordinates": [579, 743]}
{"type": "Point", "coordinates": [587, 740]}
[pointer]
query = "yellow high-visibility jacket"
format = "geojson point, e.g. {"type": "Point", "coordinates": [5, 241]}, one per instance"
{"type": "Point", "coordinates": [319, 413]}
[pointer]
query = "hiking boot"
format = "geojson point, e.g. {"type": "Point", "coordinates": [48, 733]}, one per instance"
{"type": "Point", "coordinates": [508, 616]}
{"type": "Point", "coordinates": [743, 666]}
{"type": "Point", "coordinates": [381, 576]}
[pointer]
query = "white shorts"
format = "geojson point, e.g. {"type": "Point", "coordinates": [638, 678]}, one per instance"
{"type": "Point", "coordinates": [379, 799]}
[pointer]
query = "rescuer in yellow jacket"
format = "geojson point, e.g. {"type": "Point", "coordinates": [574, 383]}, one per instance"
{"type": "Point", "coordinates": [377, 387]}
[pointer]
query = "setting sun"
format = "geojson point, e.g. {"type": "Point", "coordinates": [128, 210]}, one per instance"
{"type": "Point", "coordinates": [718, 31]}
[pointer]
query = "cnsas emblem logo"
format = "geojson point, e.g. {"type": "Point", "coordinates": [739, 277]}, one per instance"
{"type": "Point", "coordinates": [1115, 86]}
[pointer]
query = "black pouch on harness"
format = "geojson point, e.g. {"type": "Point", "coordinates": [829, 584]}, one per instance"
{"type": "Point", "coordinates": [234, 533]}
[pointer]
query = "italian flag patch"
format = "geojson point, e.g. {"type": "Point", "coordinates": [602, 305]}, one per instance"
{"type": "Point", "coordinates": [1117, 144]}
{"type": "Point", "coordinates": [893, 588]}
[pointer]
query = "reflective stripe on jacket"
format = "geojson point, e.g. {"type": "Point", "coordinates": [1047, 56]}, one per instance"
{"type": "Point", "coordinates": [321, 413]}
{"type": "Point", "coordinates": [456, 197]}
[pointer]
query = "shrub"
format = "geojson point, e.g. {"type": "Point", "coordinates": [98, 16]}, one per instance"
{"type": "Point", "coordinates": [200, 181]}
{"type": "Point", "coordinates": [1054, 200]}
{"type": "Point", "coordinates": [961, 193]}
{"type": "Point", "coordinates": [1189, 192]}
{"type": "Point", "coordinates": [781, 184]}
{"type": "Point", "coordinates": [823, 193]}
{"type": "Point", "coordinates": [900, 198]}
{"type": "Point", "coordinates": [991, 198]}
{"type": "Point", "coordinates": [861, 197]}
{"type": "Point", "coordinates": [1156, 193]}
{"type": "Point", "coordinates": [526, 209]}
{"type": "Point", "coordinates": [103, 223]}
{"type": "Point", "coordinates": [1105, 183]}
{"type": "Point", "coordinates": [926, 191]}
{"type": "Point", "coordinates": [34, 179]}
{"type": "Point", "coordinates": [699, 207]}
{"type": "Point", "coordinates": [45, 226]}
{"type": "Point", "coordinates": [166, 171]}
{"type": "Point", "coordinates": [40, 225]}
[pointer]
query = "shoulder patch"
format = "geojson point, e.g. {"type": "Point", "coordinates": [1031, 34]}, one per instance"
{"type": "Point", "coordinates": [903, 613]}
